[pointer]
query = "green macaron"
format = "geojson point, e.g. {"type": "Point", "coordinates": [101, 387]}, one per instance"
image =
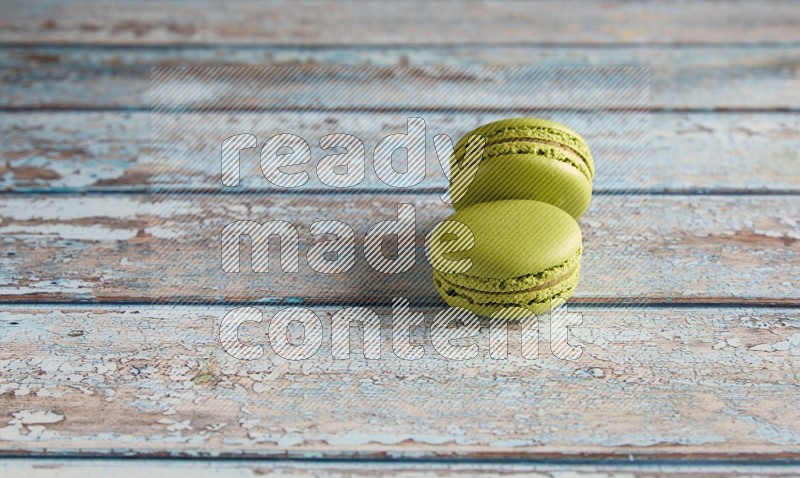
{"type": "Point", "coordinates": [524, 158]}
{"type": "Point", "coordinates": [523, 254]}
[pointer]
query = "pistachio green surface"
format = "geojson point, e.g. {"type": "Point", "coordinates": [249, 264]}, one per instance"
{"type": "Point", "coordinates": [527, 158]}
{"type": "Point", "coordinates": [519, 245]}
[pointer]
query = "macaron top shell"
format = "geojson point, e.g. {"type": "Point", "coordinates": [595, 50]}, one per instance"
{"type": "Point", "coordinates": [523, 158]}
{"type": "Point", "coordinates": [513, 238]}
{"type": "Point", "coordinates": [511, 135]}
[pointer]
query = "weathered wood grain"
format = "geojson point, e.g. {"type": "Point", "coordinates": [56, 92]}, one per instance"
{"type": "Point", "coordinates": [681, 78]}
{"type": "Point", "coordinates": [651, 383]}
{"type": "Point", "coordinates": [111, 151]}
{"type": "Point", "coordinates": [682, 386]}
{"type": "Point", "coordinates": [206, 468]}
{"type": "Point", "coordinates": [361, 22]}
{"type": "Point", "coordinates": [683, 249]}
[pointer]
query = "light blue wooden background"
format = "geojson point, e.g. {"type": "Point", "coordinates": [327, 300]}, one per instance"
{"type": "Point", "coordinates": [699, 378]}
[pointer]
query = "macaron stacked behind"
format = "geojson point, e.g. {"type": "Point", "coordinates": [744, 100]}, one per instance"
{"type": "Point", "coordinates": [533, 181]}
{"type": "Point", "coordinates": [526, 158]}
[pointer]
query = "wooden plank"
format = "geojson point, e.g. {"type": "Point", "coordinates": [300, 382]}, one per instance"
{"type": "Point", "coordinates": [359, 22]}
{"type": "Point", "coordinates": [110, 151]}
{"type": "Point", "coordinates": [682, 249]}
{"type": "Point", "coordinates": [397, 88]}
{"type": "Point", "coordinates": [681, 78]}
{"type": "Point", "coordinates": [111, 468]}
{"type": "Point", "coordinates": [652, 383]}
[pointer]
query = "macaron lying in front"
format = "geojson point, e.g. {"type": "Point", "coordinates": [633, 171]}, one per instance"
{"type": "Point", "coordinates": [524, 254]}
{"type": "Point", "coordinates": [525, 158]}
